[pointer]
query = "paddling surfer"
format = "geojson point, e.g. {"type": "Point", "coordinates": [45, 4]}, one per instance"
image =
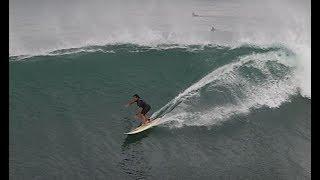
{"type": "Point", "coordinates": [145, 108]}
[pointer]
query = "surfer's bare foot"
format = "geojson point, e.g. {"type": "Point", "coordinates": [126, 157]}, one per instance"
{"type": "Point", "coordinates": [147, 121]}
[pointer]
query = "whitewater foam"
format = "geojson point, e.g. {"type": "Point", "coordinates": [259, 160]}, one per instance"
{"type": "Point", "coordinates": [246, 92]}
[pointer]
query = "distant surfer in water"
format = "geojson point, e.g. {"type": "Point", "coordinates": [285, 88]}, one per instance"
{"type": "Point", "coordinates": [194, 15]}
{"type": "Point", "coordinates": [213, 29]}
{"type": "Point", "coordinates": [145, 108]}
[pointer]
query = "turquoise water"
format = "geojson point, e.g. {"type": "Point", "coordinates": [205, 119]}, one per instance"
{"type": "Point", "coordinates": [227, 113]}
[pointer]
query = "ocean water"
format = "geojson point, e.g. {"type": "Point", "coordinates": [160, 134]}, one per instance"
{"type": "Point", "coordinates": [234, 103]}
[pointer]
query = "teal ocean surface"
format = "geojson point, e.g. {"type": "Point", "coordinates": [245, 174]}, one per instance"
{"type": "Point", "coordinates": [230, 81]}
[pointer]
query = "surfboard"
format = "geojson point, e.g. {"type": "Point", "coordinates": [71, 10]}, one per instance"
{"type": "Point", "coordinates": [144, 127]}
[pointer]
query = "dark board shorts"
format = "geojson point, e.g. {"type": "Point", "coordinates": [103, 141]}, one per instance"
{"type": "Point", "coordinates": [145, 110]}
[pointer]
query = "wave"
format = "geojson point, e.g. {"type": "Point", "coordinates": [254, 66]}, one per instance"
{"type": "Point", "coordinates": [250, 77]}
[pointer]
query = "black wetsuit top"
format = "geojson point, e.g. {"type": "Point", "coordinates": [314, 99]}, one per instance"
{"type": "Point", "coordinates": [142, 104]}
{"type": "Point", "coordinates": [145, 107]}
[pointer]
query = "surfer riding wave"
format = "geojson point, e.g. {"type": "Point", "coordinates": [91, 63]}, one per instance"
{"type": "Point", "coordinates": [145, 108]}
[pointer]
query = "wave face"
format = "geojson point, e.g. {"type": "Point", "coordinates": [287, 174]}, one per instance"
{"type": "Point", "coordinates": [229, 82]}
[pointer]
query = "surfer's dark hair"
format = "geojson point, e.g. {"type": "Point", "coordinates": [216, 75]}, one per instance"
{"type": "Point", "coordinates": [136, 95]}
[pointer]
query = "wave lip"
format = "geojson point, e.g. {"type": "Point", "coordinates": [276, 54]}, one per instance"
{"type": "Point", "coordinates": [116, 48]}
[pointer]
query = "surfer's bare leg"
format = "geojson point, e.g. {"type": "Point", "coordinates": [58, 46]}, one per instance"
{"type": "Point", "coordinates": [137, 117]}
{"type": "Point", "coordinates": [142, 118]}
{"type": "Point", "coordinates": [147, 119]}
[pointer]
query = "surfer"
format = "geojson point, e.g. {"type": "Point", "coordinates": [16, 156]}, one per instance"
{"type": "Point", "coordinates": [145, 108]}
{"type": "Point", "coordinates": [213, 29]}
{"type": "Point", "coordinates": [194, 15]}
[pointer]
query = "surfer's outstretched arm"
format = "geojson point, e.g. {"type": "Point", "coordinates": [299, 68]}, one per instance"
{"type": "Point", "coordinates": [130, 102]}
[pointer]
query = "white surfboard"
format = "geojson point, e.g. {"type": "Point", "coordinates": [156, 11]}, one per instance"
{"type": "Point", "coordinates": [144, 127]}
